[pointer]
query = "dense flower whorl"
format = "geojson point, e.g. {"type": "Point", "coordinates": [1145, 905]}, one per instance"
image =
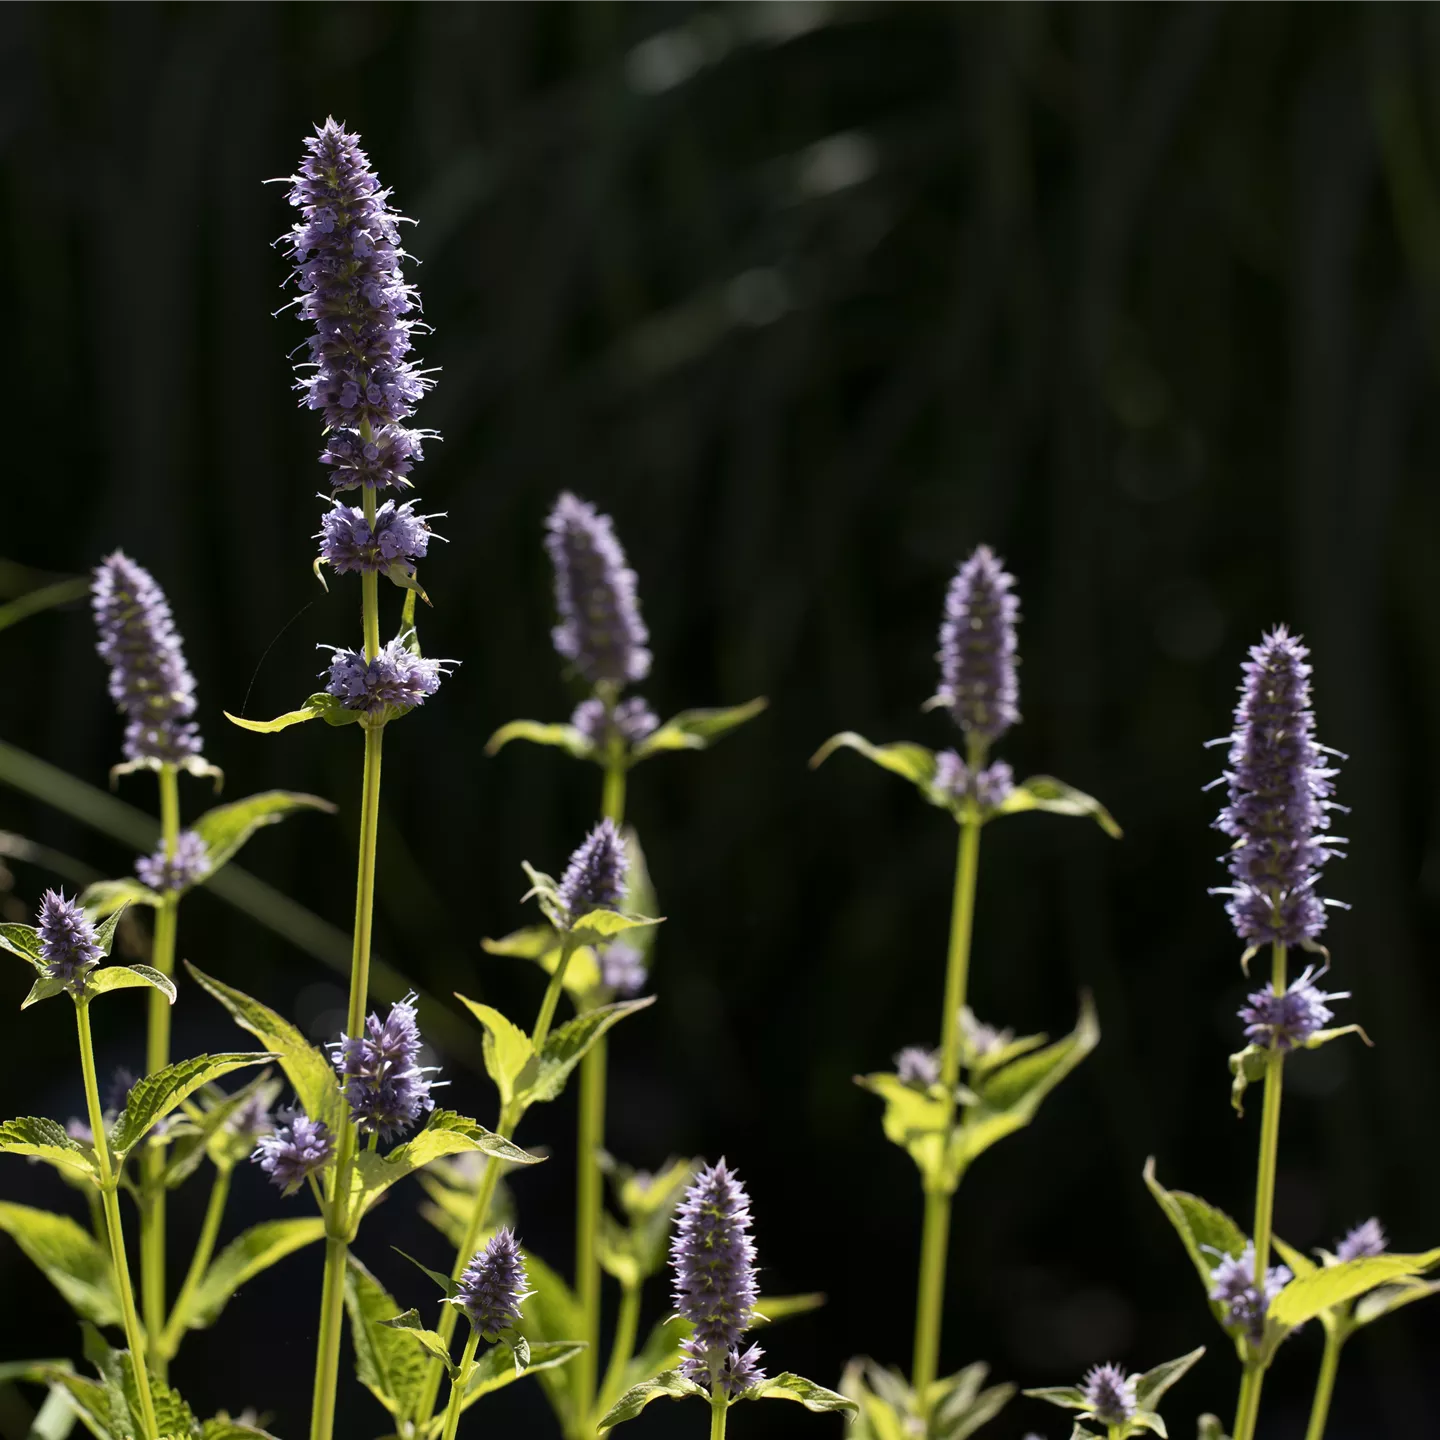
{"type": "Point", "coordinates": [1366, 1241]}
{"type": "Point", "coordinates": [149, 679]}
{"type": "Point", "coordinates": [977, 647]}
{"type": "Point", "coordinates": [917, 1066]}
{"type": "Point", "coordinates": [600, 630]}
{"type": "Point", "coordinates": [1110, 1392]}
{"type": "Point", "coordinates": [170, 873]}
{"type": "Point", "coordinates": [713, 1258]}
{"type": "Point", "coordinates": [396, 678]}
{"type": "Point", "coordinates": [742, 1370]}
{"type": "Point", "coordinates": [1233, 1286]}
{"type": "Point", "coordinates": [595, 877]}
{"type": "Point", "coordinates": [989, 787]}
{"type": "Point", "coordinates": [1279, 799]}
{"type": "Point", "coordinates": [346, 252]}
{"type": "Point", "coordinates": [492, 1286]}
{"type": "Point", "coordinates": [1288, 1020]}
{"type": "Point", "coordinates": [68, 943]}
{"type": "Point", "coordinates": [399, 536]}
{"type": "Point", "coordinates": [386, 1089]}
{"type": "Point", "coordinates": [631, 719]}
{"type": "Point", "coordinates": [622, 969]}
{"type": "Point", "coordinates": [297, 1147]}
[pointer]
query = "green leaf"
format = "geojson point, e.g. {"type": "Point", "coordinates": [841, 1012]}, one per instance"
{"type": "Point", "coordinates": [1045, 792]}
{"type": "Point", "coordinates": [391, 1367]}
{"type": "Point", "coordinates": [445, 1133]}
{"type": "Point", "coordinates": [786, 1386]}
{"type": "Point", "coordinates": [1067, 1397]}
{"type": "Point", "coordinates": [544, 1076]}
{"type": "Point", "coordinates": [914, 1119]}
{"type": "Point", "coordinates": [1205, 1232]}
{"type": "Point", "coordinates": [222, 1428]}
{"type": "Point", "coordinates": [969, 1405]}
{"type": "Point", "coordinates": [129, 977]}
{"type": "Point", "coordinates": [1388, 1298]}
{"type": "Point", "coordinates": [672, 1385]}
{"type": "Point", "coordinates": [1299, 1263]}
{"type": "Point", "coordinates": [1305, 1297]}
{"type": "Point", "coordinates": [155, 1096]}
{"type": "Point", "coordinates": [565, 737]}
{"type": "Point", "coordinates": [601, 925]}
{"type": "Point", "coordinates": [903, 758]}
{"type": "Point", "coordinates": [92, 1401]}
{"type": "Point", "coordinates": [320, 706]}
{"type": "Point", "coordinates": [1248, 1066]}
{"type": "Point", "coordinates": [47, 1141]}
{"type": "Point", "coordinates": [245, 1257]}
{"type": "Point", "coordinates": [24, 941]}
{"type": "Point", "coordinates": [43, 989]}
{"type": "Point", "coordinates": [507, 1046]}
{"type": "Point", "coordinates": [696, 729]}
{"type": "Point", "coordinates": [495, 1369]}
{"type": "Point", "coordinates": [541, 943]}
{"type": "Point", "coordinates": [105, 897]}
{"type": "Point", "coordinates": [408, 1323]}
{"type": "Point", "coordinates": [649, 1202]}
{"type": "Point", "coordinates": [1150, 1386]}
{"type": "Point", "coordinates": [70, 1258]}
{"type": "Point", "coordinates": [447, 1285]}
{"type": "Point", "coordinates": [227, 827]}
{"type": "Point", "coordinates": [308, 1069]}
{"type": "Point", "coordinates": [551, 1315]}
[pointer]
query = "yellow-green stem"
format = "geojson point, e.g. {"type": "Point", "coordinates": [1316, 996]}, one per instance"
{"type": "Point", "coordinates": [1247, 1410]}
{"type": "Point", "coordinates": [134, 1337]}
{"type": "Point", "coordinates": [457, 1387]}
{"type": "Point", "coordinates": [627, 1326]}
{"type": "Point", "coordinates": [718, 1407]}
{"type": "Point", "coordinates": [935, 1238]}
{"type": "Point", "coordinates": [1325, 1383]}
{"type": "Point", "coordinates": [546, 1017]}
{"type": "Point", "coordinates": [169, 1341]}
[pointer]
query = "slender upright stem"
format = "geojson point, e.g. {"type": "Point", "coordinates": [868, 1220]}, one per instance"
{"type": "Point", "coordinates": [134, 1336]}
{"type": "Point", "coordinates": [157, 1057]}
{"type": "Point", "coordinates": [546, 1017]}
{"type": "Point", "coordinates": [169, 1340]}
{"type": "Point", "coordinates": [935, 1237]}
{"type": "Point", "coordinates": [627, 1326]}
{"type": "Point", "coordinates": [1247, 1411]}
{"type": "Point", "coordinates": [1325, 1383]}
{"type": "Point", "coordinates": [457, 1387]}
{"type": "Point", "coordinates": [718, 1406]}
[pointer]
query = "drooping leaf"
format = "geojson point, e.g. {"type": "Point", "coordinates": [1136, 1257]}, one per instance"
{"type": "Point", "coordinates": [245, 1257]}
{"type": "Point", "coordinates": [105, 897]}
{"type": "Point", "coordinates": [786, 1386]}
{"type": "Point", "coordinates": [507, 1046]}
{"type": "Point", "coordinates": [389, 1365]}
{"type": "Point", "coordinates": [1306, 1296]}
{"type": "Point", "coordinates": [1150, 1386]}
{"type": "Point", "coordinates": [24, 941]}
{"type": "Point", "coordinates": [911, 762]}
{"type": "Point", "coordinates": [47, 1141]}
{"type": "Point", "coordinates": [1206, 1233]}
{"type": "Point", "coordinates": [70, 1258]}
{"type": "Point", "coordinates": [1388, 1298]}
{"type": "Point", "coordinates": [1045, 792]}
{"type": "Point", "coordinates": [671, 1385]}
{"type": "Point", "coordinates": [544, 1076]}
{"type": "Point", "coordinates": [320, 706]}
{"type": "Point", "coordinates": [1248, 1066]}
{"type": "Point", "coordinates": [565, 737]}
{"type": "Point", "coordinates": [308, 1069]}
{"type": "Point", "coordinates": [409, 1324]}
{"type": "Point", "coordinates": [155, 1096]}
{"type": "Point", "coordinates": [696, 729]}
{"type": "Point", "coordinates": [969, 1403]}
{"type": "Point", "coordinates": [227, 827]}
{"type": "Point", "coordinates": [129, 977]}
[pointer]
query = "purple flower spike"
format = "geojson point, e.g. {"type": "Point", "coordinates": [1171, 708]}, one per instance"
{"type": "Point", "coordinates": [917, 1066]}
{"type": "Point", "coordinates": [622, 969]}
{"type": "Point", "coordinates": [1110, 1392]}
{"type": "Point", "coordinates": [633, 719]}
{"type": "Point", "coordinates": [977, 648]}
{"type": "Point", "coordinates": [1364, 1242]}
{"type": "Point", "coordinates": [386, 1089]}
{"type": "Point", "coordinates": [1289, 1020]}
{"type": "Point", "coordinates": [396, 678]}
{"type": "Point", "coordinates": [68, 943]}
{"type": "Point", "coordinates": [170, 873]}
{"type": "Point", "coordinates": [1233, 1286]}
{"type": "Point", "coordinates": [399, 536]}
{"type": "Point", "coordinates": [493, 1284]}
{"type": "Point", "coordinates": [600, 630]}
{"type": "Point", "coordinates": [1279, 800]}
{"type": "Point", "coordinates": [713, 1258]}
{"type": "Point", "coordinates": [595, 877]}
{"type": "Point", "coordinates": [990, 786]}
{"type": "Point", "coordinates": [347, 255]}
{"type": "Point", "coordinates": [297, 1148]}
{"type": "Point", "coordinates": [149, 679]}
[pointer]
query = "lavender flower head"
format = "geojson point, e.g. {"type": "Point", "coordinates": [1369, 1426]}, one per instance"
{"type": "Point", "coordinates": [632, 719]}
{"type": "Point", "coordinates": [1233, 1286]}
{"type": "Point", "coordinates": [1110, 1393]}
{"type": "Point", "coordinates": [600, 630]}
{"type": "Point", "coordinates": [396, 678]}
{"type": "Point", "coordinates": [297, 1148]}
{"type": "Point", "coordinates": [400, 536]}
{"type": "Point", "coordinates": [1279, 800]}
{"type": "Point", "coordinates": [622, 969]}
{"type": "Point", "coordinates": [493, 1284]}
{"type": "Point", "coordinates": [990, 787]}
{"type": "Point", "coordinates": [981, 1040]}
{"type": "Point", "coordinates": [1290, 1019]}
{"type": "Point", "coordinates": [713, 1258]}
{"type": "Point", "coordinates": [386, 1090]}
{"type": "Point", "coordinates": [1366, 1241]}
{"type": "Point", "coordinates": [917, 1066]}
{"type": "Point", "coordinates": [595, 877]}
{"type": "Point", "coordinates": [346, 252]}
{"type": "Point", "coordinates": [68, 943]}
{"type": "Point", "coordinates": [168, 874]}
{"type": "Point", "coordinates": [977, 648]}
{"type": "Point", "coordinates": [149, 679]}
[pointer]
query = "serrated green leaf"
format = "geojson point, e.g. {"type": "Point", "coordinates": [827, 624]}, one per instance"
{"type": "Point", "coordinates": [409, 1324]}
{"type": "Point", "coordinates": [696, 729]}
{"type": "Point", "coordinates": [129, 977]}
{"type": "Point", "coordinates": [105, 897]}
{"type": "Point", "coordinates": [245, 1257]}
{"type": "Point", "coordinates": [105, 930]}
{"type": "Point", "coordinates": [308, 1069]}
{"type": "Point", "coordinates": [1045, 792]}
{"type": "Point", "coordinates": [70, 1258]}
{"type": "Point", "coordinates": [320, 706]}
{"type": "Point", "coordinates": [155, 1096]}
{"type": "Point", "coordinates": [564, 737]}
{"type": "Point", "coordinates": [227, 827]}
{"type": "Point", "coordinates": [601, 925]}
{"type": "Point", "coordinates": [89, 1399]}
{"type": "Point", "coordinates": [911, 762]}
{"type": "Point", "coordinates": [1206, 1233]}
{"type": "Point", "coordinates": [507, 1046]}
{"type": "Point", "coordinates": [544, 1076]}
{"type": "Point", "coordinates": [671, 1385]}
{"type": "Point", "coordinates": [786, 1386]}
{"type": "Point", "coordinates": [391, 1367]}
{"type": "Point", "coordinates": [24, 941]}
{"type": "Point", "coordinates": [47, 1141]}
{"type": "Point", "coordinates": [1305, 1297]}
{"type": "Point", "coordinates": [1150, 1386]}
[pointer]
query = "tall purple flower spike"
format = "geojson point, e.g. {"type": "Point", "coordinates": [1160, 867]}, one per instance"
{"type": "Point", "coordinates": [977, 657]}
{"type": "Point", "coordinates": [347, 257]}
{"type": "Point", "coordinates": [386, 1089]}
{"type": "Point", "coordinates": [595, 877]}
{"type": "Point", "coordinates": [68, 943]}
{"type": "Point", "coordinates": [149, 679]}
{"type": "Point", "coordinates": [1279, 802]}
{"type": "Point", "coordinates": [492, 1286]}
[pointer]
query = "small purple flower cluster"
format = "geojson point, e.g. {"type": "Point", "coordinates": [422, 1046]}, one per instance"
{"type": "Point", "coordinates": [622, 969]}
{"type": "Point", "coordinates": [1290, 1019]}
{"type": "Point", "coordinates": [400, 536]}
{"type": "Point", "coordinates": [492, 1286]}
{"type": "Point", "coordinates": [977, 648]}
{"type": "Point", "coordinates": [68, 943]}
{"type": "Point", "coordinates": [396, 678]}
{"type": "Point", "coordinates": [632, 719]}
{"type": "Point", "coordinates": [386, 1089]}
{"type": "Point", "coordinates": [1110, 1392]}
{"type": "Point", "coordinates": [1233, 1286]}
{"type": "Point", "coordinates": [1365, 1242]}
{"type": "Point", "coordinates": [989, 787]}
{"type": "Point", "coordinates": [917, 1066]}
{"type": "Point", "coordinates": [297, 1148]}
{"type": "Point", "coordinates": [595, 877]}
{"type": "Point", "coordinates": [169, 874]}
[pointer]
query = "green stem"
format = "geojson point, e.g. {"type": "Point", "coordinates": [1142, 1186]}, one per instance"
{"type": "Point", "coordinates": [546, 1017]}
{"type": "Point", "coordinates": [934, 1244]}
{"type": "Point", "coordinates": [157, 1057]}
{"type": "Point", "coordinates": [1247, 1410]}
{"type": "Point", "coordinates": [457, 1387]}
{"type": "Point", "coordinates": [1325, 1383]}
{"type": "Point", "coordinates": [169, 1341]}
{"type": "Point", "coordinates": [627, 1326]}
{"type": "Point", "coordinates": [718, 1407]}
{"type": "Point", "coordinates": [134, 1337]}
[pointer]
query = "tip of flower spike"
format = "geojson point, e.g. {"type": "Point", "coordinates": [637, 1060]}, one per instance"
{"type": "Point", "coordinates": [493, 1285]}
{"type": "Point", "coordinates": [595, 877]}
{"type": "Point", "coordinates": [69, 945]}
{"type": "Point", "coordinates": [977, 655]}
{"type": "Point", "coordinates": [1366, 1241]}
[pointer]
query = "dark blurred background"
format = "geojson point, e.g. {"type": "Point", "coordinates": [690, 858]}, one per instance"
{"type": "Point", "coordinates": [812, 298]}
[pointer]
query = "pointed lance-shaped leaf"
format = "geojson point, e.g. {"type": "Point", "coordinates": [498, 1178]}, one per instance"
{"type": "Point", "coordinates": [129, 977]}
{"type": "Point", "coordinates": [1150, 1386]}
{"type": "Point", "coordinates": [786, 1386]}
{"type": "Point", "coordinates": [564, 737]}
{"type": "Point", "coordinates": [696, 729]}
{"type": "Point", "coordinates": [409, 1324]}
{"type": "Point", "coordinates": [670, 1385]}
{"type": "Point", "coordinates": [388, 1364]}
{"type": "Point", "coordinates": [45, 1140]}
{"type": "Point", "coordinates": [507, 1046]}
{"type": "Point", "coordinates": [24, 941]}
{"type": "Point", "coordinates": [69, 1257]}
{"type": "Point", "coordinates": [911, 762]}
{"type": "Point", "coordinates": [105, 897]}
{"type": "Point", "coordinates": [155, 1096]}
{"type": "Point", "coordinates": [1045, 792]}
{"type": "Point", "coordinates": [544, 1075]}
{"type": "Point", "coordinates": [227, 827]}
{"type": "Point", "coordinates": [1206, 1233]}
{"type": "Point", "coordinates": [249, 1254]}
{"type": "Point", "coordinates": [320, 706]}
{"type": "Point", "coordinates": [1307, 1296]}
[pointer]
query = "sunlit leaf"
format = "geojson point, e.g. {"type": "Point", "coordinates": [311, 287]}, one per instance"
{"type": "Point", "coordinates": [409, 1324]}
{"type": "Point", "coordinates": [390, 1366]}
{"type": "Point", "coordinates": [245, 1257]}
{"type": "Point", "coordinates": [47, 1141]}
{"type": "Point", "coordinates": [1045, 792]}
{"type": "Point", "coordinates": [565, 737]}
{"type": "Point", "coordinates": [671, 1385]}
{"type": "Point", "coordinates": [507, 1046]}
{"type": "Point", "coordinates": [105, 897]}
{"type": "Point", "coordinates": [24, 941]}
{"type": "Point", "coordinates": [227, 827]}
{"type": "Point", "coordinates": [320, 706]}
{"type": "Point", "coordinates": [70, 1258]}
{"type": "Point", "coordinates": [1150, 1386]}
{"type": "Point", "coordinates": [155, 1096]}
{"type": "Point", "coordinates": [911, 762]}
{"type": "Point", "coordinates": [129, 977]}
{"type": "Point", "coordinates": [696, 729]}
{"type": "Point", "coordinates": [786, 1386]}
{"type": "Point", "coordinates": [544, 1076]}
{"type": "Point", "coordinates": [1206, 1233]}
{"type": "Point", "coordinates": [1306, 1296]}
